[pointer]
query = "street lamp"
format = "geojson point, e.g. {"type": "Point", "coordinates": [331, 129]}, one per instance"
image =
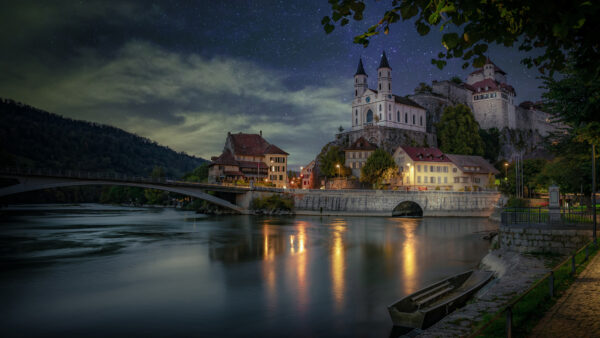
{"type": "Point", "coordinates": [338, 167]}
{"type": "Point", "coordinates": [408, 175]}
{"type": "Point", "coordinates": [505, 171]}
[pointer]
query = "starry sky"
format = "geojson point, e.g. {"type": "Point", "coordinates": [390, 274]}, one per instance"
{"type": "Point", "coordinates": [184, 73]}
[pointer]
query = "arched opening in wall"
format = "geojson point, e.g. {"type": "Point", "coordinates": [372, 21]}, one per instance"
{"type": "Point", "coordinates": [370, 116]}
{"type": "Point", "coordinates": [407, 209]}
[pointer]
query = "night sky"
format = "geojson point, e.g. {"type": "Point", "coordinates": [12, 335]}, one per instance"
{"type": "Point", "coordinates": [184, 73]}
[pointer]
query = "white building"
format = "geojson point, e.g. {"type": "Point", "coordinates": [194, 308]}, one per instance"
{"type": "Point", "coordinates": [380, 107]}
{"type": "Point", "coordinates": [492, 97]}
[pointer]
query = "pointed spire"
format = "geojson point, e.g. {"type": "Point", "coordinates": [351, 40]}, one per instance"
{"type": "Point", "coordinates": [361, 69]}
{"type": "Point", "coordinates": [384, 62]}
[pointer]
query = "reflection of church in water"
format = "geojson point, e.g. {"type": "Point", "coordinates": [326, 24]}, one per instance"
{"type": "Point", "coordinates": [382, 117]}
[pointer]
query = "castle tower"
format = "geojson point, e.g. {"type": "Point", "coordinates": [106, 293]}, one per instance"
{"type": "Point", "coordinates": [488, 69]}
{"type": "Point", "coordinates": [384, 76]}
{"type": "Point", "coordinates": [360, 80]}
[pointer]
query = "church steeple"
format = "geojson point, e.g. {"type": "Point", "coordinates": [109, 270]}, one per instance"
{"type": "Point", "coordinates": [384, 62]}
{"type": "Point", "coordinates": [360, 80]}
{"type": "Point", "coordinates": [384, 78]}
{"type": "Point", "coordinates": [360, 70]}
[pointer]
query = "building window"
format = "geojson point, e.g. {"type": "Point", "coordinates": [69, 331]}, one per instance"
{"type": "Point", "coordinates": [370, 116]}
{"type": "Point", "coordinates": [425, 179]}
{"type": "Point", "coordinates": [419, 168]}
{"type": "Point", "coordinates": [454, 170]}
{"type": "Point", "coordinates": [398, 116]}
{"type": "Point", "coordinates": [281, 177]}
{"type": "Point", "coordinates": [445, 179]}
{"type": "Point", "coordinates": [380, 107]}
{"type": "Point", "coordinates": [355, 92]}
{"type": "Point", "coordinates": [379, 115]}
{"type": "Point", "coordinates": [456, 179]}
{"type": "Point", "coordinates": [356, 121]}
{"type": "Point", "coordinates": [425, 168]}
{"type": "Point", "coordinates": [431, 169]}
{"type": "Point", "coordinates": [418, 179]}
{"type": "Point", "coordinates": [445, 169]}
{"type": "Point", "coordinates": [405, 117]}
{"type": "Point", "coordinates": [379, 74]}
{"type": "Point", "coordinates": [432, 180]}
{"type": "Point", "coordinates": [389, 86]}
{"type": "Point", "coordinates": [389, 107]}
{"type": "Point", "coordinates": [390, 116]}
{"type": "Point", "coordinates": [388, 74]}
{"type": "Point", "coordinates": [421, 120]}
{"type": "Point", "coordinates": [413, 119]}
{"type": "Point", "coordinates": [439, 180]}
{"type": "Point", "coordinates": [380, 86]}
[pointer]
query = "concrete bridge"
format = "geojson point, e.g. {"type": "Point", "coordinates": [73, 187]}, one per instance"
{"type": "Point", "coordinates": [238, 198]}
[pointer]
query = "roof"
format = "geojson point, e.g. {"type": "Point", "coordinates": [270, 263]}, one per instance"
{"type": "Point", "coordinates": [466, 162]}
{"type": "Point", "coordinates": [360, 70]}
{"type": "Point", "coordinates": [491, 85]}
{"type": "Point", "coordinates": [384, 62]}
{"type": "Point", "coordinates": [252, 145]}
{"type": "Point", "coordinates": [226, 158]}
{"type": "Point", "coordinates": [273, 149]}
{"type": "Point", "coordinates": [250, 164]}
{"type": "Point", "coordinates": [406, 101]}
{"type": "Point", "coordinates": [489, 62]}
{"type": "Point", "coordinates": [425, 154]}
{"type": "Point", "coordinates": [362, 144]}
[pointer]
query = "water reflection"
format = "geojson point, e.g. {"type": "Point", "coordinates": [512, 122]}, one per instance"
{"type": "Point", "coordinates": [306, 276]}
{"type": "Point", "coordinates": [338, 264]}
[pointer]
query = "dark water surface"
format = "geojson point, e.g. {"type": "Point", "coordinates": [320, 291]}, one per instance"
{"type": "Point", "coordinates": [96, 270]}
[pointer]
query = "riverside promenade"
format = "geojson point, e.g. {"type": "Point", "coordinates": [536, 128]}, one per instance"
{"type": "Point", "coordinates": [577, 312]}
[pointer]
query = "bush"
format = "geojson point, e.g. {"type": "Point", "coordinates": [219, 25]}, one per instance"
{"type": "Point", "coordinates": [515, 202]}
{"type": "Point", "coordinates": [273, 202]}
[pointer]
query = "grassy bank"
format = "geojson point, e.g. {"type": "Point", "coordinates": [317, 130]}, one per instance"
{"type": "Point", "coordinates": [532, 307]}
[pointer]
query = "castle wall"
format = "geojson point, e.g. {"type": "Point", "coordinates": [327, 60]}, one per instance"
{"type": "Point", "coordinates": [454, 92]}
{"type": "Point", "coordinates": [387, 138]}
{"type": "Point", "coordinates": [491, 113]}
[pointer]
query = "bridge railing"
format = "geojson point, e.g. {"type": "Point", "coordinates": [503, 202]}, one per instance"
{"type": "Point", "coordinates": [74, 174]}
{"type": "Point", "coordinates": [524, 216]}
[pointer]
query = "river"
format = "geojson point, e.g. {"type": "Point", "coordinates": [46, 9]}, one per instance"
{"type": "Point", "coordinates": [98, 270]}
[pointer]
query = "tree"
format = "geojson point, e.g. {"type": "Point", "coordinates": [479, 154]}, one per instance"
{"type": "Point", "coordinates": [458, 132]}
{"type": "Point", "coordinates": [423, 88]}
{"type": "Point", "coordinates": [491, 143]}
{"type": "Point", "coordinates": [557, 28]}
{"type": "Point", "coordinates": [456, 79]}
{"type": "Point", "coordinates": [376, 165]}
{"type": "Point", "coordinates": [200, 174]}
{"type": "Point", "coordinates": [329, 160]}
{"type": "Point", "coordinates": [532, 169]}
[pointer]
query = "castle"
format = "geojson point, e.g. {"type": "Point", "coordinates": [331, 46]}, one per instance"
{"type": "Point", "coordinates": [388, 120]}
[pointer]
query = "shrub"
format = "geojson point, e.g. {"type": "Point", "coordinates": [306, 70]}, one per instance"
{"type": "Point", "coordinates": [273, 202]}
{"type": "Point", "coordinates": [515, 202]}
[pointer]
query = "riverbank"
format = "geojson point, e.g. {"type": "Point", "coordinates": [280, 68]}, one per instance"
{"type": "Point", "coordinates": [514, 273]}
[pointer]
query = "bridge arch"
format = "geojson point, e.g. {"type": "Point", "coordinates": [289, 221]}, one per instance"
{"type": "Point", "coordinates": [407, 209]}
{"type": "Point", "coordinates": [30, 184]}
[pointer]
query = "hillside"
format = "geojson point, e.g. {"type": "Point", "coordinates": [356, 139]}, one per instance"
{"type": "Point", "coordinates": [30, 137]}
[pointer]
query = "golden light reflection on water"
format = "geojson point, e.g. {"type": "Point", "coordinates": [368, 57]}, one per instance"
{"type": "Point", "coordinates": [299, 250]}
{"type": "Point", "coordinates": [410, 272]}
{"type": "Point", "coordinates": [338, 264]}
{"type": "Point", "coordinates": [268, 270]}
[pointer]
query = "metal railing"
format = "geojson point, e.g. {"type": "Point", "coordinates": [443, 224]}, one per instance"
{"type": "Point", "coordinates": [513, 216]}
{"type": "Point", "coordinates": [507, 310]}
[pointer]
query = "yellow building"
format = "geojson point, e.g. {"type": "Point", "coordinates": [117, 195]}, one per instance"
{"type": "Point", "coordinates": [430, 169]}
{"type": "Point", "coordinates": [357, 153]}
{"type": "Point", "coordinates": [249, 157]}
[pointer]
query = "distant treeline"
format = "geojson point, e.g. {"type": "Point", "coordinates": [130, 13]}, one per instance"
{"type": "Point", "coordinates": [31, 137]}
{"type": "Point", "coordinates": [34, 138]}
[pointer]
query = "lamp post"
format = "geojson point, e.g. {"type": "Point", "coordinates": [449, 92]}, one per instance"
{"type": "Point", "coordinates": [408, 176]}
{"type": "Point", "coordinates": [594, 190]}
{"type": "Point", "coordinates": [505, 171]}
{"type": "Point", "coordinates": [338, 168]}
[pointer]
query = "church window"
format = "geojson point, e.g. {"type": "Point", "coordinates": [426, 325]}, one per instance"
{"type": "Point", "coordinates": [405, 117]}
{"type": "Point", "coordinates": [379, 116]}
{"type": "Point", "coordinates": [355, 92]}
{"type": "Point", "coordinates": [389, 86]}
{"type": "Point", "coordinates": [356, 80]}
{"type": "Point", "coordinates": [356, 121]}
{"type": "Point", "coordinates": [421, 120]}
{"type": "Point", "coordinates": [370, 116]}
{"type": "Point", "coordinates": [413, 119]}
{"type": "Point", "coordinates": [389, 107]}
{"type": "Point", "coordinates": [380, 86]}
{"type": "Point", "coordinates": [380, 107]}
{"type": "Point", "coordinates": [398, 116]}
{"type": "Point", "coordinates": [379, 74]}
{"type": "Point", "coordinates": [388, 74]}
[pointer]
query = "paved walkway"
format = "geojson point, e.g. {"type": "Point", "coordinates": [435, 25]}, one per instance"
{"type": "Point", "coordinates": [577, 312]}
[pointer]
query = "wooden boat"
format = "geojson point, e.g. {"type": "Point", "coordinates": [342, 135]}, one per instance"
{"type": "Point", "coordinates": [427, 306]}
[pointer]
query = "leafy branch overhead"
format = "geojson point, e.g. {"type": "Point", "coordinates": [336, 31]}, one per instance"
{"type": "Point", "coordinates": [557, 28]}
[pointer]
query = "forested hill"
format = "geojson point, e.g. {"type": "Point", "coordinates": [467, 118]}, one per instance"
{"type": "Point", "coordinates": [30, 137]}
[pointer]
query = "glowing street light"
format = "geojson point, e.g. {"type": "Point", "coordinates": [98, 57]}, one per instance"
{"type": "Point", "coordinates": [338, 167]}
{"type": "Point", "coordinates": [505, 171]}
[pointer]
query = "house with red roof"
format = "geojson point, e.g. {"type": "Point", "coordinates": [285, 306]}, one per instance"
{"type": "Point", "coordinates": [422, 168]}
{"type": "Point", "coordinates": [492, 97]}
{"type": "Point", "coordinates": [249, 157]}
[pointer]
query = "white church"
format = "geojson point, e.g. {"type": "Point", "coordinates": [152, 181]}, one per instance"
{"type": "Point", "coordinates": [380, 107]}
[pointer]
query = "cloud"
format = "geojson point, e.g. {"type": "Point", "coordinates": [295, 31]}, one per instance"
{"type": "Point", "coordinates": [190, 102]}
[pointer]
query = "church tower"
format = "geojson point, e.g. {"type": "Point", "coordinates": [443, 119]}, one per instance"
{"type": "Point", "coordinates": [360, 80]}
{"type": "Point", "coordinates": [384, 76]}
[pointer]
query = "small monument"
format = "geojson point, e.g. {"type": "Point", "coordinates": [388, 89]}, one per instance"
{"type": "Point", "coordinates": [554, 204]}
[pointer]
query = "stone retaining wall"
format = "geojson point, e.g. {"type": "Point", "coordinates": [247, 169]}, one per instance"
{"type": "Point", "coordinates": [535, 239]}
{"type": "Point", "coordinates": [383, 202]}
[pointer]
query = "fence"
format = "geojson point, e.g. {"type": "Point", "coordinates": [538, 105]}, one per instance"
{"type": "Point", "coordinates": [511, 216]}
{"type": "Point", "coordinates": [544, 290]}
